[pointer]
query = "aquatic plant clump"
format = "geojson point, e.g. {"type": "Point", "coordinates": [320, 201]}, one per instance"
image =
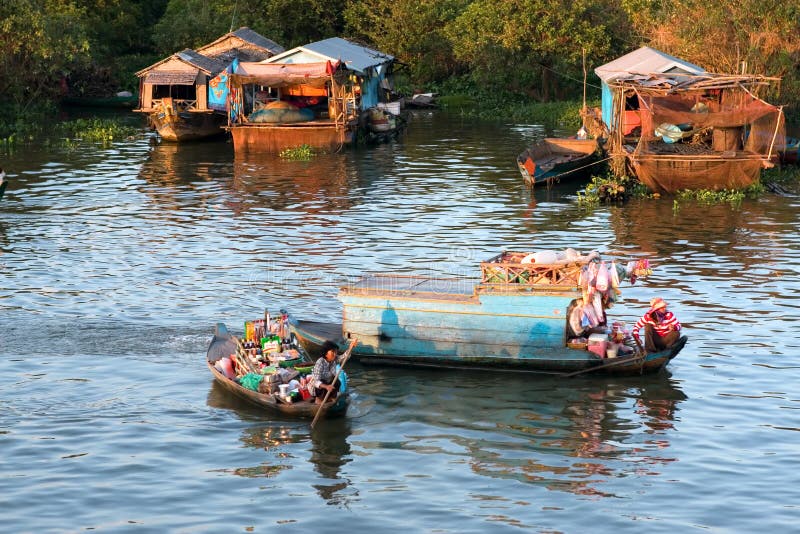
{"type": "Point", "coordinates": [299, 153]}
{"type": "Point", "coordinates": [102, 131]}
{"type": "Point", "coordinates": [609, 188]}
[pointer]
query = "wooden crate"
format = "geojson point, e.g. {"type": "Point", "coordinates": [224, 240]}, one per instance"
{"type": "Point", "coordinates": [505, 268]}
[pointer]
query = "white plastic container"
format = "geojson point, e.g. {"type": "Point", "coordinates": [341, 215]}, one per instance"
{"type": "Point", "coordinates": [283, 389]}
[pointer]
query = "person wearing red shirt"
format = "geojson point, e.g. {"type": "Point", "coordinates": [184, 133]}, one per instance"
{"type": "Point", "coordinates": [661, 327]}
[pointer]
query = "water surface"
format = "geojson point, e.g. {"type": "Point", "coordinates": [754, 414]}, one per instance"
{"type": "Point", "coordinates": [117, 262]}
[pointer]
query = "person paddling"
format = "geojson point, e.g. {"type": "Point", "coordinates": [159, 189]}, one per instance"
{"type": "Point", "coordinates": [324, 374]}
{"type": "Point", "coordinates": [661, 327]}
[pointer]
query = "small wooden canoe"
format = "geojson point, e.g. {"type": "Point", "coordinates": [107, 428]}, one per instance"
{"type": "Point", "coordinates": [553, 157]}
{"type": "Point", "coordinates": [223, 344]}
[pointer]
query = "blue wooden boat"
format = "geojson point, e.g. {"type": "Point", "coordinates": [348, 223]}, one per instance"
{"type": "Point", "coordinates": [514, 318]}
{"type": "Point", "coordinates": [553, 158]}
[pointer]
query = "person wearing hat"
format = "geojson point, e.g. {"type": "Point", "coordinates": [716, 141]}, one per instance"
{"type": "Point", "coordinates": [661, 327]}
{"type": "Point", "coordinates": [323, 377]}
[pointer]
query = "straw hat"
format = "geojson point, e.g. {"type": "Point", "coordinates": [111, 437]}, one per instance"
{"type": "Point", "coordinates": [657, 303]}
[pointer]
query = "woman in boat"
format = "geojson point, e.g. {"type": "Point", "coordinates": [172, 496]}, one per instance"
{"type": "Point", "coordinates": [661, 327]}
{"type": "Point", "coordinates": [323, 377]}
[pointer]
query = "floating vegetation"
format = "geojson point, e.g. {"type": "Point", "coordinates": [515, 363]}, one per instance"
{"type": "Point", "coordinates": [609, 188]}
{"type": "Point", "coordinates": [298, 153]}
{"type": "Point", "coordinates": [708, 197]}
{"type": "Point", "coordinates": [103, 131]}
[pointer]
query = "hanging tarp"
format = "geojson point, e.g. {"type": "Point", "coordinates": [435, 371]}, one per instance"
{"type": "Point", "coordinates": [284, 74]}
{"type": "Point", "coordinates": [218, 88]}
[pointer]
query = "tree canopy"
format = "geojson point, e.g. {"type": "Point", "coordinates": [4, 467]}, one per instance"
{"type": "Point", "coordinates": [527, 49]}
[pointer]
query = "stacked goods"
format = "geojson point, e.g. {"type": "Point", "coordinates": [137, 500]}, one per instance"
{"type": "Point", "coordinates": [267, 361]}
{"type": "Point", "coordinates": [548, 267]}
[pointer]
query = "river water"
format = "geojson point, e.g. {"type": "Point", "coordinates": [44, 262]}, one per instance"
{"type": "Point", "coordinates": [117, 262]}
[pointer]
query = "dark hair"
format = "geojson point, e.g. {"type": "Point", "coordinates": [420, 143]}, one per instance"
{"type": "Point", "coordinates": [328, 345]}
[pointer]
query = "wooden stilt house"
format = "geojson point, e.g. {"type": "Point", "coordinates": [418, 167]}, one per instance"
{"type": "Point", "coordinates": [185, 95]}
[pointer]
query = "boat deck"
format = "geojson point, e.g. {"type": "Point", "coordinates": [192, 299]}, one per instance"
{"type": "Point", "coordinates": [436, 288]}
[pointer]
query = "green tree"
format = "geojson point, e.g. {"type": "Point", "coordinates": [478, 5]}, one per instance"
{"type": "Point", "coordinates": [728, 36]}
{"type": "Point", "coordinates": [534, 47]}
{"type": "Point", "coordinates": [411, 30]}
{"type": "Point", "coordinates": [42, 41]}
{"type": "Point", "coordinates": [193, 23]}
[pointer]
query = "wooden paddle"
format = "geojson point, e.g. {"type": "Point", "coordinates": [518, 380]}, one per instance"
{"type": "Point", "coordinates": [615, 361]}
{"type": "Point", "coordinates": [345, 357]}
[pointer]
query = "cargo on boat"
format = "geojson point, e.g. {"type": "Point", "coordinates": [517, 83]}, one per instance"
{"type": "Point", "coordinates": [268, 370]}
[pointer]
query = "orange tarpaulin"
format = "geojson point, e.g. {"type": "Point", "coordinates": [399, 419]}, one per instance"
{"type": "Point", "coordinates": [284, 74]}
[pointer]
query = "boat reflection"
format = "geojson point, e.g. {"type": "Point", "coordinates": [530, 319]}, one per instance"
{"type": "Point", "coordinates": [585, 436]}
{"type": "Point", "coordinates": [181, 177]}
{"type": "Point", "coordinates": [324, 184]}
{"type": "Point", "coordinates": [567, 435]}
{"type": "Point", "coordinates": [286, 439]}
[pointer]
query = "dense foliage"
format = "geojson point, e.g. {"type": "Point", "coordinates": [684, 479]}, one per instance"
{"type": "Point", "coordinates": [512, 50]}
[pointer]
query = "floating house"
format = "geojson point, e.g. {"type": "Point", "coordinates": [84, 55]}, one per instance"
{"type": "Point", "coordinates": [185, 95]}
{"type": "Point", "coordinates": [320, 94]}
{"type": "Point", "coordinates": [676, 126]}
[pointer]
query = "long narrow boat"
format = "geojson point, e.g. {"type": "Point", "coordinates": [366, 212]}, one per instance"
{"type": "Point", "coordinates": [553, 157]}
{"type": "Point", "coordinates": [516, 318]}
{"type": "Point", "coordinates": [223, 344]}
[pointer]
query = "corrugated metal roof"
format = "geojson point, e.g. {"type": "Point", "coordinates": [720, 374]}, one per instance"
{"type": "Point", "coordinates": [645, 60]}
{"type": "Point", "coordinates": [210, 66]}
{"type": "Point", "coordinates": [246, 34]}
{"type": "Point", "coordinates": [207, 64]}
{"type": "Point", "coordinates": [355, 57]}
{"type": "Point", "coordinates": [243, 43]}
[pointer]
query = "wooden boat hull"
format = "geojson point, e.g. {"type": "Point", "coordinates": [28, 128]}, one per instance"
{"type": "Point", "coordinates": [273, 138]}
{"type": "Point", "coordinates": [223, 344]}
{"type": "Point", "coordinates": [311, 335]}
{"type": "Point", "coordinates": [188, 125]}
{"type": "Point", "coordinates": [552, 158]}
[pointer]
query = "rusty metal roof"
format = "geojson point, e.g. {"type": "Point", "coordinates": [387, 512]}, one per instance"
{"type": "Point", "coordinates": [190, 57]}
